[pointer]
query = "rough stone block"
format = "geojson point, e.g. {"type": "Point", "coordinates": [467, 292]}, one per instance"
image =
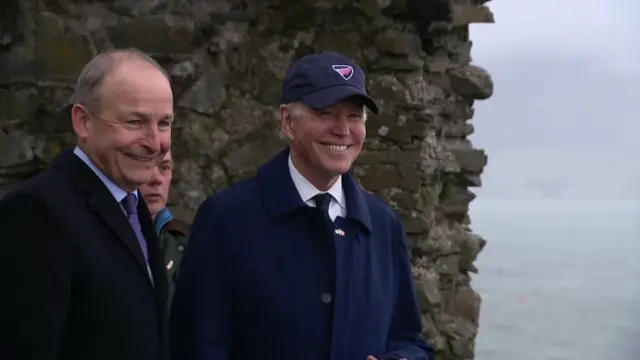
{"type": "Point", "coordinates": [136, 8]}
{"type": "Point", "coordinates": [406, 200]}
{"type": "Point", "coordinates": [449, 264]}
{"type": "Point", "coordinates": [421, 92]}
{"type": "Point", "coordinates": [381, 177]}
{"type": "Point", "coordinates": [16, 148]}
{"type": "Point", "coordinates": [17, 104]}
{"type": "Point", "coordinates": [470, 247]}
{"type": "Point", "coordinates": [190, 187]}
{"type": "Point", "coordinates": [399, 43]}
{"type": "Point", "coordinates": [471, 180]}
{"type": "Point", "coordinates": [242, 116]}
{"type": "Point", "coordinates": [415, 223]}
{"type": "Point", "coordinates": [389, 156]}
{"type": "Point", "coordinates": [154, 35]}
{"type": "Point", "coordinates": [439, 63]}
{"type": "Point", "coordinates": [17, 157]}
{"type": "Point", "coordinates": [10, 30]}
{"type": "Point", "coordinates": [471, 160]}
{"type": "Point", "coordinates": [411, 176]}
{"type": "Point", "coordinates": [204, 134]}
{"type": "Point", "coordinates": [387, 88]}
{"type": "Point", "coordinates": [345, 42]}
{"type": "Point", "coordinates": [428, 293]}
{"type": "Point", "coordinates": [61, 51]}
{"type": "Point", "coordinates": [207, 95]}
{"type": "Point", "coordinates": [373, 7]}
{"type": "Point", "coordinates": [183, 72]}
{"type": "Point", "coordinates": [389, 126]}
{"type": "Point", "coordinates": [17, 65]}
{"type": "Point", "coordinates": [456, 129]}
{"type": "Point", "coordinates": [454, 201]}
{"type": "Point", "coordinates": [469, 14]}
{"type": "Point", "coordinates": [245, 160]}
{"type": "Point", "coordinates": [399, 63]}
{"type": "Point", "coordinates": [471, 82]}
{"type": "Point", "coordinates": [459, 333]}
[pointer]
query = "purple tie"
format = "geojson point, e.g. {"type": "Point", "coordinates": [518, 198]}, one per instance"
{"type": "Point", "coordinates": [130, 206]}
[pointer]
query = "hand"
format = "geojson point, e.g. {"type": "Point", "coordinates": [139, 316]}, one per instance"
{"type": "Point", "coordinates": [371, 357]}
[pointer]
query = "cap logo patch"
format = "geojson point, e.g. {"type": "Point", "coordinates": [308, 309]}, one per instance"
{"type": "Point", "coordinates": [345, 71]}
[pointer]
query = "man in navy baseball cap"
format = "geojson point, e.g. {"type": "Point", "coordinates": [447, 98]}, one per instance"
{"type": "Point", "coordinates": [298, 261]}
{"type": "Point", "coordinates": [323, 113]}
{"type": "Point", "coordinates": [321, 80]}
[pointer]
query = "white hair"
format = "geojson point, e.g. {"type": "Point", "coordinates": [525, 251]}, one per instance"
{"type": "Point", "coordinates": [298, 109]}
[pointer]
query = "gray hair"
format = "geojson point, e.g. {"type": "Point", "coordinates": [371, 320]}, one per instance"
{"type": "Point", "coordinates": [92, 76]}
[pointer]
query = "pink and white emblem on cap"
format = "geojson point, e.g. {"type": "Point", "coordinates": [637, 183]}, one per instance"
{"type": "Point", "coordinates": [345, 71]}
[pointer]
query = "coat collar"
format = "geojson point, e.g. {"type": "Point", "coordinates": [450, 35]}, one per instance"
{"type": "Point", "coordinates": [117, 192]}
{"type": "Point", "coordinates": [307, 190]}
{"type": "Point", "coordinates": [105, 205]}
{"type": "Point", "coordinates": [281, 198]}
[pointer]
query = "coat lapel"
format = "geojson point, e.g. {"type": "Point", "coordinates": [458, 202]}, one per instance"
{"type": "Point", "coordinates": [156, 257]}
{"type": "Point", "coordinates": [280, 196]}
{"type": "Point", "coordinates": [103, 204]}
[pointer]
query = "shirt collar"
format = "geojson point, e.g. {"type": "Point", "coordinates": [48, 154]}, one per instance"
{"type": "Point", "coordinates": [163, 217]}
{"type": "Point", "coordinates": [308, 191]}
{"type": "Point", "coordinates": [115, 190]}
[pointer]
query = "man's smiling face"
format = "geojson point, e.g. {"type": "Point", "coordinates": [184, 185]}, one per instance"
{"type": "Point", "coordinates": [325, 142]}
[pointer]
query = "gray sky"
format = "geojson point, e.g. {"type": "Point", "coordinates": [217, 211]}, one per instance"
{"type": "Point", "coordinates": [562, 121]}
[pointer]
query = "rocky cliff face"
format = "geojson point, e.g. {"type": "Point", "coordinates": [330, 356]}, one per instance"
{"type": "Point", "coordinates": [228, 59]}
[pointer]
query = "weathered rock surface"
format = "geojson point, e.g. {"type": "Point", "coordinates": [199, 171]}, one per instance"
{"type": "Point", "coordinates": [227, 60]}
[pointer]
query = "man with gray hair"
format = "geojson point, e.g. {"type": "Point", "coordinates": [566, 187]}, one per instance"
{"type": "Point", "coordinates": [81, 268]}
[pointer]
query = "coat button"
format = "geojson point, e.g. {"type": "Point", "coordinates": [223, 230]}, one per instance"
{"type": "Point", "coordinates": [326, 298]}
{"type": "Point", "coordinates": [180, 248]}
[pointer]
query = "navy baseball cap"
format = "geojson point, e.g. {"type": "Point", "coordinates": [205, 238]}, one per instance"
{"type": "Point", "coordinates": [321, 80]}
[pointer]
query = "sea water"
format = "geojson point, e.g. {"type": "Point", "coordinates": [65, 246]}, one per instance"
{"type": "Point", "coordinates": [560, 280]}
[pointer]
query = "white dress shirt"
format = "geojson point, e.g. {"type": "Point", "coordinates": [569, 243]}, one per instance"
{"type": "Point", "coordinates": [117, 192]}
{"type": "Point", "coordinates": [337, 206]}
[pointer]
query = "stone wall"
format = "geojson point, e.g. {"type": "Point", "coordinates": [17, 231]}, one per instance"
{"type": "Point", "coordinates": [228, 59]}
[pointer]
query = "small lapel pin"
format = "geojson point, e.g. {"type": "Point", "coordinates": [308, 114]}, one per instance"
{"type": "Point", "coordinates": [339, 232]}
{"type": "Point", "coordinates": [170, 265]}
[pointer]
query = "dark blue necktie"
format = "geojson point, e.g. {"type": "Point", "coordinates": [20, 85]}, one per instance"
{"type": "Point", "coordinates": [322, 203]}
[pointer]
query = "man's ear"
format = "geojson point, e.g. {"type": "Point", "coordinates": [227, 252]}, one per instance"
{"type": "Point", "coordinates": [80, 120]}
{"type": "Point", "coordinates": [286, 122]}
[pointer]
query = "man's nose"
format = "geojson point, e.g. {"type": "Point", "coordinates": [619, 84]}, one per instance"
{"type": "Point", "coordinates": [153, 140]}
{"type": "Point", "coordinates": [341, 126]}
{"type": "Point", "coordinates": [156, 179]}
